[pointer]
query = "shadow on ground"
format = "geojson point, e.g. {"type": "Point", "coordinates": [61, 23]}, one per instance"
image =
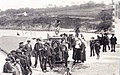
{"type": "Point", "coordinates": [79, 66]}
{"type": "Point", "coordinates": [60, 69]}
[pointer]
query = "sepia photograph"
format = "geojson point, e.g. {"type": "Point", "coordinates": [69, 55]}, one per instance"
{"type": "Point", "coordinates": [59, 37]}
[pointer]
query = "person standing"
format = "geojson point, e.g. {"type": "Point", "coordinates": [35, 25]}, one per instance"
{"type": "Point", "coordinates": [83, 52]}
{"type": "Point", "coordinates": [108, 41]}
{"type": "Point", "coordinates": [21, 47]}
{"type": "Point", "coordinates": [37, 49]}
{"type": "Point", "coordinates": [28, 48]}
{"type": "Point", "coordinates": [43, 59]}
{"type": "Point", "coordinates": [26, 58]}
{"type": "Point", "coordinates": [92, 47]}
{"type": "Point", "coordinates": [69, 39]}
{"type": "Point", "coordinates": [105, 42]}
{"type": "Point", "coordinates": [56, 48]}
{"type": "Point", "coordinates": [100, 39]}
{"type": "Point", "coordinates": [78, 50]}
{"type": "Point", "coordinates": [74, 49]}
{"type": "Point", "coordinates": [24, 64]}
{"type": "Point", "coordinates": [97, 48]}
{"type": "Point", "coordinates": [49, 52]}
{"type": "Point", "coordinates": [65, 54]}
{"type": "Point", "coordinates": [113, 41]}
{"type": "Point", "coordinates": [18, 67]}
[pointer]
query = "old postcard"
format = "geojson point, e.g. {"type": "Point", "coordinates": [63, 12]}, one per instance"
{"type": "Point", "coordinates": [59, 37]}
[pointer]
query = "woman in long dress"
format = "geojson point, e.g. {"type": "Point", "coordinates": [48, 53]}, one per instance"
{"type": "Point", "coordinates": [78, 50]}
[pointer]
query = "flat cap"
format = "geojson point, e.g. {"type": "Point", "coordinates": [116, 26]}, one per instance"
{"type": "Point", "coordinates": [21, 43]}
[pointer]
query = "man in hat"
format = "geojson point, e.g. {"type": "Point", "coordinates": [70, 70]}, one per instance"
{"type": "Point", "coordinates": [74, 49]}
{"type": "Point", "coordinates": [46, 57]}
{"type": "Point", "coordinates": [14, 55]}
{"type": "Point", "coordinates": [105, 42]}
{"type": "Point", "coordinates": [69, 39]}
{"type": "Point", "coordinates": [113, 41]}
{"type": "Point", "coordinates": [49, 52]}
{"type": "Point", "coordinates": [92, 47]}
{"type": "Point", "coordinates": [28, 48]}
{"type": "Point", "coordinates": [25, 67]}
{"type": "Point", "coordinates": [21, 44]}
{"type": "Point", "coordinates": [65, 54]}
{"type": "Point", "coordinates": [8, 67]}
{"type": "Point", "coordinates": [12, 58]}
{"type": "Point", "coordinates": [21, 47]}
{"type": "Point", "coordinates": [37, 49]}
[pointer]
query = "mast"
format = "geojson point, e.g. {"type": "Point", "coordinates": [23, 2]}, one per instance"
{"type": "Point", "coordinates": [57, 27]}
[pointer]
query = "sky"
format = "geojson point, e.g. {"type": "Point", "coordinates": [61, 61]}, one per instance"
{"type": "Point", "coordinates": [16, 4]}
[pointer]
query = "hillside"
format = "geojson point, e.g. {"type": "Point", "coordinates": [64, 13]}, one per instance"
{"type": "Point", "coordinates": [91, 12]}
{"type": "Point", "coordinates": [70, 16]}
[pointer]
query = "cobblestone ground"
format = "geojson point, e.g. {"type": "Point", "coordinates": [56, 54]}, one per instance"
{"type": "Point", "coordinates": [108, 64]}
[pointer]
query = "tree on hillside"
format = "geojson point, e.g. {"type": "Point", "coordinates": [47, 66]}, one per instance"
{"type": "Point", "coordinates": [105, 25]}
{"type": "Point", "coordinates": [106, 20]}
{"type": "Point", "coordinates": [105, 15]}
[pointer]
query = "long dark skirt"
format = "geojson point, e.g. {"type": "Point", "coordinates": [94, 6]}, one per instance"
{"type": "Point", "coordinates": [77, 54]}
{"type": "Point", "coordinates": [74, 51]}
{"type": "Point", "coordinates": [83, 56]}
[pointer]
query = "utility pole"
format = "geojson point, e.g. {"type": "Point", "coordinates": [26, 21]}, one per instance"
{"type": "Point", "coordinates": [116, 22]}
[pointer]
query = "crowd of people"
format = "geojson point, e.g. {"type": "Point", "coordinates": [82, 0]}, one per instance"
{"type": "Point", "coordinates": [102, 43]}
{"type": "Point", "coordinates": [52, 51]}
